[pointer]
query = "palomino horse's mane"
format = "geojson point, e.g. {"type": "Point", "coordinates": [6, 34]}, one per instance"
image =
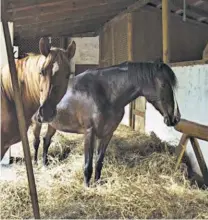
{"type": "Point", "coordinates": [28, 70]}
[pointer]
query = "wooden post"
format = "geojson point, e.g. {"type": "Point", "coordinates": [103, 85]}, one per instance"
{"type": "Point", "coordinates": [130, 37]}
{"type": "Point", "coordinates": [200, 159]}
{"type": "Point", "coordinates": [165, 31]}
{"type": "Point", "coordinates": [21, 119]}
{"type": "Point", "coordinates": [130, 58]}
{"type": "Point", "coordinates": [113, 45]}
{"type": "Point", "coordinates": [180, 149]}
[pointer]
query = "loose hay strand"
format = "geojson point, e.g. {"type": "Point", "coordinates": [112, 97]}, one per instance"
{"type": "Point", "coordinates": [138, 175]}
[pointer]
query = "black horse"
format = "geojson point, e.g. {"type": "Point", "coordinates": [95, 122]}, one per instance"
{"type": "Point", "coordinates": [94, 105]}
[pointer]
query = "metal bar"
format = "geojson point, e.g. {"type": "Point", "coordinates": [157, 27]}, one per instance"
{"type": "Point", "coordinates": [165, 31]}
{"type": "Point", "coordinates": [200, 159]}
{"type": "Point", "coordinates": [21, 119]}
{"type": "Point", "coordinates": [190, 8]}
{"type": "Point", "coordinates": [180, 149]}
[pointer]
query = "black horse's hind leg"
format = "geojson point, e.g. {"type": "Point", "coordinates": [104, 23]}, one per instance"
{"type": "Point", "coordinates": [46, 143]}
{"type": "Point", "coordinates": [88, 150]}
{"type": "Point", "coordinates": [102, 146]}
{"type": "Point", "coordinates": [36, 141]}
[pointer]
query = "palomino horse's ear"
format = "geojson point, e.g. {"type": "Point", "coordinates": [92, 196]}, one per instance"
{"type": "Point", "coordinates": [71, 50]}
{"type": "Point", "coordinates": [44, 46]}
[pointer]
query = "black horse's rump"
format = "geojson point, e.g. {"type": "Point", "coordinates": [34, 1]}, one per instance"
{"type": "Point", "coordinates": [95, 100]}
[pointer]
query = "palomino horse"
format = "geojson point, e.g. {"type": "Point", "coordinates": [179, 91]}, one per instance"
{"type": "Point", "coordinates": [43, 80]}
{"type": "Point", "coordinates": [94, 105]}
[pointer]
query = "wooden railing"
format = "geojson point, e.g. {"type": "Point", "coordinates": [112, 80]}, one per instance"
{"type": "Point", "coordinates": [192, 131]}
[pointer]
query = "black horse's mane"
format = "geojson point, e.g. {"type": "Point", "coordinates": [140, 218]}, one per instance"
{"type": "Point", "coordinates": [141, 72]}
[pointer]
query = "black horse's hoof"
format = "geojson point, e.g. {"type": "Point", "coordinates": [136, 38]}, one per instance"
{"type": "Point", "coordinates": [100, 182]}
{"type": "Point", "coordinates": [45, 163]}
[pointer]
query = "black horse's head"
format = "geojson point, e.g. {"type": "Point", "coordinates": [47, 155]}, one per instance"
{"type": "Point", "coordinates": [161, 94]}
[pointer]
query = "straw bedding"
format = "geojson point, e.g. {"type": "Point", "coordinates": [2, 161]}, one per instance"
{"type": "Point", "coordinates": [138, 181]}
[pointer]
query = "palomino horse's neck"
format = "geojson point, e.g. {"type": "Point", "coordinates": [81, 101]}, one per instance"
{"type": "Point", "coordinates": [28, 70]}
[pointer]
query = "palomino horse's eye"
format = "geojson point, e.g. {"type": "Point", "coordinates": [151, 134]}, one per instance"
{"type": "Point", "coordinates": [42, 72]}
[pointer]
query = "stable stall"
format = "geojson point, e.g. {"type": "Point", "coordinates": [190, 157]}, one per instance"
{"type": "Point", "coordinates": [129, 30]}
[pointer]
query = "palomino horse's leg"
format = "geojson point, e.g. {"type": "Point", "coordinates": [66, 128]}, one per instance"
{"type": "Point", "coordinates": [88, 150]}
{"type": "Point", "coordinates": [102, 146]}
{"type": "Point", "coordinates": [36, 141]}
{"type": "Point", "coordinates": [46, 143]}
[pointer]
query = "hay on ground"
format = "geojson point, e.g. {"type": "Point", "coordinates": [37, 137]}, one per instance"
{"type": "Point", "coordinates": [138, 178]}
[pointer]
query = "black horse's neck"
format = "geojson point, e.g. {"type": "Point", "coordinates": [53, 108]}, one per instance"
{"type": "Point", "coordinates": [120, 83]}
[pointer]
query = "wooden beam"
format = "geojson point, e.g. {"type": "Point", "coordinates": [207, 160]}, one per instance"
{"type": "Point", "coordinates": [193, 129]}
{"type": "Point", "coordinates": [189, 63]}
{"type": "Point", "coordinates": [131, 8]}
{"type": "Point", "coordinates": [55, 12]}
{"type": "Point", "coordinates": [180, 149]}
{"type": "Point", "coordinates": [73, 30]}
{"type": "Point", "coordinates": [130, 58]}
{"type": "Point", "coordinates": [22, 5]}
{"type": "Point", "coordinates": [165, 31]}
{"type": "Point", "coordinates": [73, 18]}
{"type": "Point", "coordinates": [91, 24]}
{"type": "Point", "coordinates": [21, 118]}
{"type": "Point", "coordinates": [130, 36]}
{"type": "Point", "coordinates": [137, 5]}
{"type": "Point", "coordinates": [139, 113]}
{"type": "Point", "coordinates": [200, 159]}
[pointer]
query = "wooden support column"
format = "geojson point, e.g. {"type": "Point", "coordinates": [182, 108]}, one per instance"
{"type": "Point", "coordinates": [21, 117]}
{"type": "Point", "coordinates": [113, 45]}
{"type": "Point", "coordinates": [200, 159]}
{"type": "Point", "coordinates": [130, 58]}
{"type": "Point", "coordinates": [180, 149]}
{"type": "Point", "coordinates": [165, 31]}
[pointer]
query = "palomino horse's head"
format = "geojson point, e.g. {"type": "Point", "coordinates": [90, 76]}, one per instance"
{"type": "Point", "coordinates": [54, 77]}
{"type": "Point", "coordinates": [162, 96]}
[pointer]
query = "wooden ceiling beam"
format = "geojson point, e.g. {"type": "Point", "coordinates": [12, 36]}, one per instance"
{"type": "Point", "coordinates": [60, 16]}
{"type": "Point", "coordinates": [64, 31]}
{"type": "Point", "coordinates": [64, 24]}
{"type": "Point", "coordinates": [39, 13]}
{"type": "Point", "coordinates": [30, 5]}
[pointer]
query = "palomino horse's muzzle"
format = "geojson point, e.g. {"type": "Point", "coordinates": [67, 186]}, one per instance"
{"type": "Point", "coordinates": [45, 113]}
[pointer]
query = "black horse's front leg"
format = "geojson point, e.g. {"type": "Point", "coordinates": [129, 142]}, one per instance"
{"type": "Point", "coordinates": [102, 146]}
{"type": "Point", "coordinates": [88, 150]}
